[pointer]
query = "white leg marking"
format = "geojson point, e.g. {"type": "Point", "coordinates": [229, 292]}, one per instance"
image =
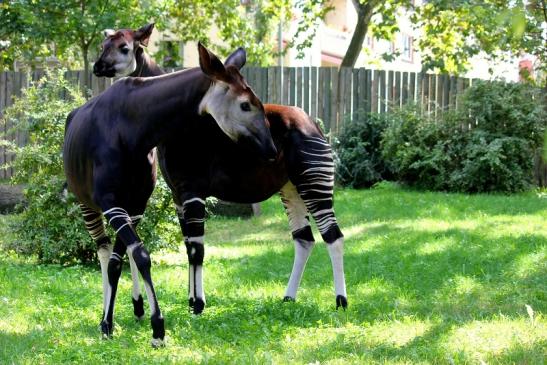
{"type": "Point", "coordinates": [150, 297]}
{"type": "Point", "coordinates": [336, 253]}
{"type": "Point", "coordinates": [190, 281]}
{"type": "Point", "coordinates": [199, 283]}
{"type": "Point", "coordinates": [136, 290]}
{"type": "Point", "coordinates": [302, 250]}
{"type": "Point", "coordinates": [104, 255]}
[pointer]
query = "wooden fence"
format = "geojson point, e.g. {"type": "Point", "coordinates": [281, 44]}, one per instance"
{"type": "Point", "coordinates": [326, 93]}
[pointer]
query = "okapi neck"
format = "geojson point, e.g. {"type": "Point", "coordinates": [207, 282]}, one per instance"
{"type": "Point", "coordinates": [158, 107]}
{"type": "Point", "coordinates": [146, 67]}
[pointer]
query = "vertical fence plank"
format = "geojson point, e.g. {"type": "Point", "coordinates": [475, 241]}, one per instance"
{"type": "Point", "coordinates": [412, 87]}
{"type": "Point", "coordinates": [452, 93]}
{"type": "Point", "coordinates": [292, 86]}
{"type": "Point", "coordinates": [390, 89]}
{"type": "Point", "coordinates": [426, 83]}
{"type": "Point", "coordinates": [404, 88]}
{"type": "Point", "coordinates": [355, 91]}
{"type": "Point", "coordinates": [382, 91]}
{"type": "Point", "coordinates": [321, 96]}
{"type": "Point", "coordinates": [335, 96]}
{"type": "Point", "coordinates": [286, 86]}
{"type": "Point", "coordinates": [299, 87]}
{"type": "Point", "coordinates": [362, 89]}
{"type": "Point", "coordinates": [348, 99]}
{"type": "Point", "coordinates": [368, 87]}
{"type": "Point", "coordinates": [374, 92]}
{"type": "Point", "coordinates": [314, 94]}
{"type": "Point", "coordinates": [397, 89]}
{"type": "Point", "coordinates": [306, 104]}
{"type": "Point", "coordinates": [271, 85]}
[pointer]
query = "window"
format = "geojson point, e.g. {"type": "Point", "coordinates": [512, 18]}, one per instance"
{"type": "Point", "coordinates": [406, 47]}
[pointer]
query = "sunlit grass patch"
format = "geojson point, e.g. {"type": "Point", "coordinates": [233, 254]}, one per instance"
{"type": "Point", "coordinates": [432, 279]}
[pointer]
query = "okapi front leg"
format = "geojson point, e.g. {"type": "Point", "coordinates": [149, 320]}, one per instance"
{"type": "Point", "coordinates": [121, 223]}
{"type": "Point", "coordinates": [136, 297]}
{"type": "Point", "coordinates": [302, 235]}
{"type": "Point", "coordinates": [192, 220]}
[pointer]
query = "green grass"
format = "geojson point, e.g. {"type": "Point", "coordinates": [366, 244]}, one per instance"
{"type": "Point", "coordinates": [432, 278]}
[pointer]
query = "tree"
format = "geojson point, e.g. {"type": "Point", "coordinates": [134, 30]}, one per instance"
{"type": "Point", "coordinates": [64, 28]}
{"type": "Point", "coordinates": [456, 30]}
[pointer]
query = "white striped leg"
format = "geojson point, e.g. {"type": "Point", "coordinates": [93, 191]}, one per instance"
{"type": "Point", "coordinates": [192, 220]}
{"type": "Point", "coordinates": [315, 186]}
{"type": "Point", "coordinates": [336, 253]}
{"type": "Point", "coordinates": [302, 250]}
{"type": "Point", "coordinates": [95, 226]}
{"type": "Point", "coordinates": [302, 235]}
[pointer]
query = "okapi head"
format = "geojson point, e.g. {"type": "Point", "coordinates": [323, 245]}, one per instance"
{"type": "Point", "coordinates": [233, 104]}
{"type": "Point", "coordinates": [119, 49]}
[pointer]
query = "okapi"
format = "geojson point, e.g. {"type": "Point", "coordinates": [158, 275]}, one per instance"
{"type": "Point", "coordinates": [110, 164]}
{"type": "Point", "coordinates": [303, 171]}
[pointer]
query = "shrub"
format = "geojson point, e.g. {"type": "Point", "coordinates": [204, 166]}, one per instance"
{"type": "Point", "coordinates": [359, 161]}
{"type": "Point", "coordinates": [488, 145]}
{"type": "Point", "coordinates": [50, 226]}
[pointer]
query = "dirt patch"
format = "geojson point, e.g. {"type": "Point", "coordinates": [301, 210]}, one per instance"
{"type": "Point", "coordinates": [10, 196]}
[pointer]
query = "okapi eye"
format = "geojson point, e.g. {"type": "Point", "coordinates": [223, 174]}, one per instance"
{"type": "Point", "coordinates": [246, 107]}
{"type": "Point", "coordinates": [124, 50]}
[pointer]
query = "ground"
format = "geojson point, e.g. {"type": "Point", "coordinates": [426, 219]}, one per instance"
{"type": "Point", "coordinates": [432, 278]}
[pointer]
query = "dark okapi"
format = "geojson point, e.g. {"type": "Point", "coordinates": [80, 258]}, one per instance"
{"type": "Point", "coordinates": [110, 167]}
{"type": "Point", "coordinates": [303, 173]}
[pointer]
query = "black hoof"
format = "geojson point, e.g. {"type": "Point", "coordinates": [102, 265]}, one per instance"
{"type": "Point", "coordinates": [138, 308]}
{"type": "Point", "coordinates": [158, 329]}
{"type": "Point", "coordinates": [341, 301]}
{"type": "Point", "coordinates": [191, 302]}
{"type": "Point", "coordinates": [106, 329]}
{"type": "Point", "coordinates": [198, 306]}
{"type": "Point", "coordinates": [289, 299]}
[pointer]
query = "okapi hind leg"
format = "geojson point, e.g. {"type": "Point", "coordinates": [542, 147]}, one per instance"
{"type": "Point", "coordinates": [128, 240]}
{"type": "Point", "coordinates": [313, 175]}
{"type": "Point", "coordinates": [192, 221]}
{"type": "Point", "coordinates": [302, 236]}
{"type": "Point", "coordinates": [95, 226]}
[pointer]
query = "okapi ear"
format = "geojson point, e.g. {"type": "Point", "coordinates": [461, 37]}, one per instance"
{"type": "Point", "coordinates": [237, 59]}
{"type": "Point", "coordinates": [143, 34]}
{"type": "Point", "coordinates": [210, 64]}
{"type": "Point", "coordinates": [108, 32]}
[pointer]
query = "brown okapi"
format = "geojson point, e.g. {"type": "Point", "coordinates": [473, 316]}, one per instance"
{"type": "Point", "coordinates": [303, 171]}
{"type": "Point", "coordinates": [110, 164]}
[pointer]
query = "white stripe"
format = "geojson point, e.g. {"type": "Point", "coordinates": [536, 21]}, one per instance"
{"type": "Point", "coordinates": [193, 200]}
{"type": "Point", "coordinates": [115, 208]}
{"type": "Point", "coordinates": [119, 229]}
{"type": "Point", "coordinates": [329, 155]}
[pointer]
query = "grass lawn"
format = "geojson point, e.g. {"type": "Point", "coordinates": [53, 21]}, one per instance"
{"type": "Point", "coordinates": [432, 278]}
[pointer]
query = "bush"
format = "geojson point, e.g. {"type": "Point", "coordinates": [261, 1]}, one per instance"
{"type": "Point", "coordinates": [488, 145]}
{"type": "Point", "coordinates": [51, 226]}
{"type": "Point", "coordinates": [359, 161]}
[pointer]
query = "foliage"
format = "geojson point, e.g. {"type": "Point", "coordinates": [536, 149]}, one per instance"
{"type": "Point", "coordinates": [69, 30]}
{"type": "Point", "coordinates": [50, 226]}
{"type": "Point", "coordinates": [359, 160]}
{"type": "Point", "coordinates": [488, 145]}
{"type": "Point", "coordinates": [432, 278]}
{"type": "Point", "coordinates": [452, 32]}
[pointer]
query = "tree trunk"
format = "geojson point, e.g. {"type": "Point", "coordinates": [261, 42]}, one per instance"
{"type": "Point", "coordinates": [364, 14]}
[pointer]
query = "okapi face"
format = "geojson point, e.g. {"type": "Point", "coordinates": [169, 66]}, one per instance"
{"type": "Point", "coordinates": [233, 104]}
{"type": "Point", "coordinates": [118, 51]}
